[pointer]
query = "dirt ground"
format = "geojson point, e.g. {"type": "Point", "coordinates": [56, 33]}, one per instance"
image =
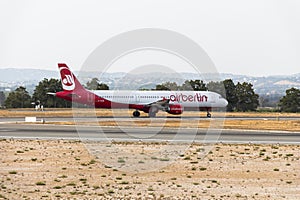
{"type": "Point", "coordinates": [61, 169]}
{"type": "Point", "coordinates": [51, 169]}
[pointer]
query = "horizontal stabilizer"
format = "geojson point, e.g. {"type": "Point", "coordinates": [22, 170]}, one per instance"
{"type": "Point", "coordinates": [51, 93]}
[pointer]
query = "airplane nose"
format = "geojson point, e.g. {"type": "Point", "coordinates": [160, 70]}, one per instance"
{"type": "Point", "coordinates": [225, 102]}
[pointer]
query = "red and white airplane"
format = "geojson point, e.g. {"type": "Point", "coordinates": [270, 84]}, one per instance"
{"type": "Point", "coordinates": [173, 102]}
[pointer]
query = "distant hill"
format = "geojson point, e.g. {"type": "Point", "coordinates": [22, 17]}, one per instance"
{"type": "Point", "coordinates": [11, 75]}
{"type": "Point", "coordinates": [270, 85]}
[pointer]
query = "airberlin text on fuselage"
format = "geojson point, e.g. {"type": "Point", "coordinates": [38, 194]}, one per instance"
{"type": "Point", "coordinates": [190, 98]}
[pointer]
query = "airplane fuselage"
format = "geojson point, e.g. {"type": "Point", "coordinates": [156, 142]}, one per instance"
{"type": "Point", "coordinates": [188, 99]}
{"type": "Point", "coordinates": [173, 102]}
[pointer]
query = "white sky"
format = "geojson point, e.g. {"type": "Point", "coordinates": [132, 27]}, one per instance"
{"type": "Point", "coordinates": [254, 37]}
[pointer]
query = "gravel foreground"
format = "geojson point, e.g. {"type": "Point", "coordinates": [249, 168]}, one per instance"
{"type": "Point", "coordinates": [61, 169]}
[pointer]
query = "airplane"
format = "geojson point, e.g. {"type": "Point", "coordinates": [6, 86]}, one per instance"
{"type": "Point", "coordinates": [151, 102]}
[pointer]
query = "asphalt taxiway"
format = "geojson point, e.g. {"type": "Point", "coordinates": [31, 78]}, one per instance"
{"type": "Point", "coordinates": [151, 134]}
{"type": "Point", "coordinates": [127, 118]}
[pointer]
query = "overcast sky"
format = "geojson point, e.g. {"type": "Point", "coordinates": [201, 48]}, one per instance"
{"type": "Point", "coordinates": [252, 37]}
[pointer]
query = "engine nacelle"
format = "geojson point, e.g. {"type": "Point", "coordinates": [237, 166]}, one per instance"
{"type": "Point", "coordinates": [175, 109]}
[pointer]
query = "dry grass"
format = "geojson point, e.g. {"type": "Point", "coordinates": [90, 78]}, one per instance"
{"type": "Point", "coordinates": [286, 125]}
{"type": "Point", "coordinates": [292, 125]}
{"type": "Point", "coordinates": [47, 113]}
{"type": "Point", "coordinates": [66, 170]}
{"type": "Point", "coordinates": [272, 125]}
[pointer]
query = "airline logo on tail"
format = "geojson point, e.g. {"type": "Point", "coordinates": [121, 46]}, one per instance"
{"type": "Point", "coordinates": [67, 78]}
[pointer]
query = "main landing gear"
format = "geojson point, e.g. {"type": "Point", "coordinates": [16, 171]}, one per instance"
{"type": "Point", "coordinates": [152, 114]}
{"type": "Point", "coordinates": [152, 111]}
{"type": "Point", "coordinates": [136, 113]}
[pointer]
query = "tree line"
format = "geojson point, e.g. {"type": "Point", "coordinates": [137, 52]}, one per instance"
{"type": "Point", "coordinates": [240, 96]}
{"type": "Point", "coordinates": [20, 97]}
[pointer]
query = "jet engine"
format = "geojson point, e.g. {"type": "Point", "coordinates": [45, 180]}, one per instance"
{"type": "Point", "coordinates": [175, 109]}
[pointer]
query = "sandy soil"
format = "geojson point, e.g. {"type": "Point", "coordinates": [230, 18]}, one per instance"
{"type": "Point", "coordinates": [66, 170]}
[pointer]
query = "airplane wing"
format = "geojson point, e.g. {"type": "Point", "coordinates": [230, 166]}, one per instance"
{"type": "Point", "coordinates": [163, 105]}
{"type": "Point", "coordinates": [160, 104]}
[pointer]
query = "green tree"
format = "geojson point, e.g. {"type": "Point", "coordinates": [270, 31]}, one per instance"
{"type": "Point", "coordinates": [45, 86]}
{"type": "Point", "coordinates": [95, 85]}
{"type": "Point", "coordinates": [162, 87]}
{"type": "Point", "coordinates": [218, 87]}
{"type": "Point", "coordinates": [227, 89]}
{"type": "Point", "coordinates": [18, 99]}
{"type": "Point", "coordinates": [194, 85]}
{"type": "Point", "coordinates": [167, 86]}
{"type": "Point", "coordinates": [291, 101]}
{"type": "Point", "coordinates": [231, 94]}
{"type": "Point", "coordinates": [2, 99]}
{"type": "Point", "coordinates": [247, 99]}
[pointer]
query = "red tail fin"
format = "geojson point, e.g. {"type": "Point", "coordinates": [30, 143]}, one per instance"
{"type": "Point", "coordinates": [68, 79]}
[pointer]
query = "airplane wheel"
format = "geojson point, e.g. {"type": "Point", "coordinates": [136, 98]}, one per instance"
{"type": "Point", "coordinates": [208, 115]}
{"type": "Point", "coordinates": [136, 113]}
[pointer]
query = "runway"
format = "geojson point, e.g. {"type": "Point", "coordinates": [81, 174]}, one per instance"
{"type": "Point", "coordinates": [126, 118]}
{"type": "Point", "coordinates": [146, 134]}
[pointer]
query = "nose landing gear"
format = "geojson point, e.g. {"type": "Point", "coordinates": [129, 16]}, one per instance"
{"type": "Point", "coordinates": [208, 114]}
